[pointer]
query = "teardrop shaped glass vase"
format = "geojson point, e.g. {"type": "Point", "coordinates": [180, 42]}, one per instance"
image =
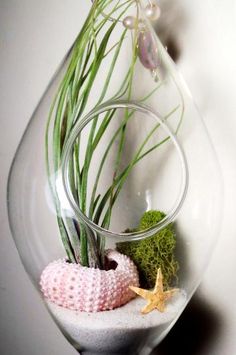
{"type": "Point", "coordinates": [115, 183]}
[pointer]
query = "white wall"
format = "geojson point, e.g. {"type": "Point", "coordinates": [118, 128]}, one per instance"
{"type": "Point", "coordinates": [34, 36]}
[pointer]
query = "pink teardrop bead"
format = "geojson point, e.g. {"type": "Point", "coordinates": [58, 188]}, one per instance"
{"type": "Point", "coordinates": [147, 50]}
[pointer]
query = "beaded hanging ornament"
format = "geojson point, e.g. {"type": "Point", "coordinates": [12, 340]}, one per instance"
{"type": "Point", "coordinates": [147, 47]}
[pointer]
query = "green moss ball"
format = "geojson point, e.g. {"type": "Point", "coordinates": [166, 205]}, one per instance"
{"type": "Point", "coordinates": [154, 252]}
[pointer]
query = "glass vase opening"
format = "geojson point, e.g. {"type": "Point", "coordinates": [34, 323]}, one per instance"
{"type": "Point", "coordinates": [137, 178]}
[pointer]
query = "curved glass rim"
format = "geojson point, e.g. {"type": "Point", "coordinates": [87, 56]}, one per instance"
{"type": "Point", "coordinates": [79, 126]}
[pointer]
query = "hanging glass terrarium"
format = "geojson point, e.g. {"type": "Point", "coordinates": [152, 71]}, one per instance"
{"type": "Point", "coordinates": [115, 192]}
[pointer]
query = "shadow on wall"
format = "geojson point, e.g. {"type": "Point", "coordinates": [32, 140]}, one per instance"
{"type": "Point", "coordinates": [197, 328]}
{"type": "Point", "coordinates": [199, 325]}
{"type": "Point", "coordinates": [171, 26]}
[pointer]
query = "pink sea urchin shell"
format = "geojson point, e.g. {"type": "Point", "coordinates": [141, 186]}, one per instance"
{"type": "Point", "coordinates": [87, 289]}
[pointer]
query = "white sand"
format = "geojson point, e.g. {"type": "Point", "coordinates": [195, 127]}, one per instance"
{"type": "Point", "coordinates": [115, 331]}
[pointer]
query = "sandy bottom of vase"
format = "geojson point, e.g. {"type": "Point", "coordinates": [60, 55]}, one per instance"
{"type": "Point", "coordinates": [119, 331]}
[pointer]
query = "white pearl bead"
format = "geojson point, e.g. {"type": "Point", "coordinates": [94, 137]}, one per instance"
{"type": "Point", "coordinates": [153, 12]}
{"type": "Point", "coordinates": [130, 22]}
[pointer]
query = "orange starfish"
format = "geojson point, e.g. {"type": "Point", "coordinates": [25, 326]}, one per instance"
{"type": "Point", "coordinates": [156, 298]}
